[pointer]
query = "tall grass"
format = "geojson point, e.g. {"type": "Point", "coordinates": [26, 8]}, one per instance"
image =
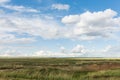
{"type": "Point", "coordinates": [59, 69]}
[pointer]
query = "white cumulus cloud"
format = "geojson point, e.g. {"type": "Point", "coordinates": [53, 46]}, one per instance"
{"type": "Point", "coordinates": [86, 26]}
{"type": "Point", "coordinates": [92, 25]}
{"type": "Point", "coordinates": [78, 49]}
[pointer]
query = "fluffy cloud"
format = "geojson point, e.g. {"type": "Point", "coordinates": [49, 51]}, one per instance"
{"type": "Point", "coordinates": [92, 25]}
{"type": "Point", "coordinates": [60, 6]}
{"type": "Point", "coordinates": [12, 26]}
{"type": "Point", "coordinates": [33, 26]}
{"type": "Point", "coordinates": [8, 35]}
{"type": "Point", "coordinates": [86, 26]}
{"type": "Point", "coordinates": [18, 27]}
{"type": "Point", "coordinates": [78, 49]}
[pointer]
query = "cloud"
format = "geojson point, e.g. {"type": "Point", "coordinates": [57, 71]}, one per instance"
{"type": "Point", "coordinates": [112, 51]}
{"type": "Point", "coordinates": [20, 8]}
{"type": "Point", "coordinates": [1, 12]}
{"type": "Point", "coordinates": [16, 7]}
{"type": "Point", "coordinates": [9, 51]}
{"type": "Point", "coordinates": [78, 49]}
{"type": "Point", "coordinates": [13, 53]}
{"type": "Point", "coordinates": [82, 51]}
{"type": "Point", "coordinates": [86, 26]}
{"type": "Point", "coordinates": [92, 25]}
{"type": "Point", "coordinates": [43, 53]}
{"type": "Point", "coordinates": [12, 26]}
{"type": "Point", "coordinates": [4, 1]}
{"type": "Point", "coordinates": [9, 38]}
{"type": "Point", "coordinates": [108, 51]}
{"type": "Point", "coordinates": [17, 51]}
{"type": "Point", "coordinates": [35, 27]}
{"type": "Point", "coordinates": [18, 27]}
{"type": "Point", "coordinates": [62, 49]}
{"type": "Point", "coordinates": [60, 6]}
{"type": "Point", "coordinates": [8, 35]}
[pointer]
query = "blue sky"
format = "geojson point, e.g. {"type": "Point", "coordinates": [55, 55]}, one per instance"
{"type": "Point", "coordinates": [59, 28]}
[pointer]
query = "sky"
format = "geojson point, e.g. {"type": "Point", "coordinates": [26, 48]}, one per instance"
{"type": "Point", "coordinates": [59, 28]}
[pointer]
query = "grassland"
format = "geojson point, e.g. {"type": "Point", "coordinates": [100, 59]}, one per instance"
{"type": "Point", "coordinates": [59, 69]}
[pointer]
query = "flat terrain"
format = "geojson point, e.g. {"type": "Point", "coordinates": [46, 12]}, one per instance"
{"type": "Point", "coordinates": [59, 69]}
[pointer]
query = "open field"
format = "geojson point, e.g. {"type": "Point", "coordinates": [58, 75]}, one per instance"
{"type": "Point", "coordinates": [59, 69]}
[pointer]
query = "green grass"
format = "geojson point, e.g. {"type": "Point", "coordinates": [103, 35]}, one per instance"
{"type": "Point", "coordinates": [59, 69]}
